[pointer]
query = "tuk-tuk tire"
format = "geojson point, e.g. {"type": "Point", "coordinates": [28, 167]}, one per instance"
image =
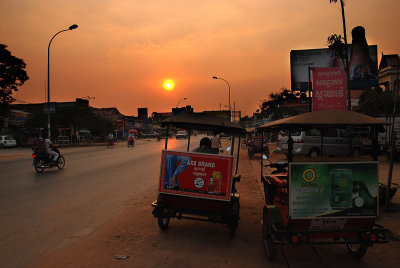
{"type": "Point", "coordinates": [234, 218]}
{"type": "Point", "coordinates": [270, 248]}
{"type": "Point", "coordinates": [356, 250]}
{"type": "Point", "coordinates": [163, 223]}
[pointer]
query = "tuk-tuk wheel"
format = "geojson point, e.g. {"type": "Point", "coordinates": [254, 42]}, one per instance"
{"type": "Point", "coordinates": [235, 218]}
{"type": "Point", "coordinates": [356, 250]}
{"type": "Point", "coordinates": [270, 249]}
{"type": "Point", "coordinates": [163, 223]}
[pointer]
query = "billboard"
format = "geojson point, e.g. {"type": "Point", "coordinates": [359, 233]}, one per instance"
{"type": "Point", "coordinates": [339, 189]}
{"type": "Point", "coordinates": [196, 175]}
{"type": "Point", "coordinates": [363, 66]}
{"type": "Point", "coordinates": [329, 92]}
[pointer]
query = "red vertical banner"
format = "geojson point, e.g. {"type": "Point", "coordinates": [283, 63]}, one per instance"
{"type": "Point", "coordinates": [329, 89]}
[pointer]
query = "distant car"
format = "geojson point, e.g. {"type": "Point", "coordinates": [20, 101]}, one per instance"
{"type": "Point", "coordinates": [181, 135]}
{"type": "Point", "coordinates": [151, 134]}
{"type": "Point", "coordinates": [224, 135]}
{"type": "Point", "coordinates": [7, 141]}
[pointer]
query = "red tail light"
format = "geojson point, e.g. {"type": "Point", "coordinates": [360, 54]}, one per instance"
{"type": "Point", "coordinates": [33, 155]}
{"type": "Point", "coordinates": [298, 141]}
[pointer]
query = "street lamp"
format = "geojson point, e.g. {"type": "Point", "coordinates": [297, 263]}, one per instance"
{"type": "Point", "coordinates": [74, 26]}
{"type": "Point", "coordinates": [229, 92]}
{"type": "Point", "coordinates": [180, 102]}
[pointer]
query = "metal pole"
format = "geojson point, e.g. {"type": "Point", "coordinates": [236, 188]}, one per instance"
{"type": "Point", "coordinates": [392, 138]}
{"type": "Point", "coordinates": [48, 76]}
{"type": "Point", "coordinates": [347, 58]}
{"type": "Point", "coordinates": [309, 89]}
{"type": "Point", "coordinates": [229, 95]}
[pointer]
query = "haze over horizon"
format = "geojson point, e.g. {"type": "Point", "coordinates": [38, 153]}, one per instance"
{"type": "Point", "coordinates": [124, 50]}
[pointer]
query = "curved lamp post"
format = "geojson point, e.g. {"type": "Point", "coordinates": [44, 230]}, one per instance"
{"type": "Point", "coordinates": [229, 92]}
{"type": "Point", "coordinates": [180, 102]}
{"type": "Point", "coordinates": [74, 26]}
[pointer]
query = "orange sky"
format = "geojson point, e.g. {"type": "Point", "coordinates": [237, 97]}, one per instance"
{"type": "Point", "coordinates": [123, 50]}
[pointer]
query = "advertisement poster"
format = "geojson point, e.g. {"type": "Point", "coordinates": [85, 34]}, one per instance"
{"type": "Point", "coordinates": [339, 189]}
{"type": "Point", "coordinates": [196, 174]}
{"type": "Point", "coordinates": [329, 91]}
{"type": "Point", "coordinates": [363, 68]}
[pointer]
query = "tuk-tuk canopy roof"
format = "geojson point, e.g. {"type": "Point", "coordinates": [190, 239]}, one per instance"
{"type": "Point", "coordinates": [324, 119]}
{"type": "Point", "coordinates": [204, 121]}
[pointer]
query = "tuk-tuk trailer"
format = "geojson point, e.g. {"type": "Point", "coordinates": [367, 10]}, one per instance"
{"type": "Point", "coordinates": [205, 188]}
{"type": "Point", "coordinates": [323, 200]}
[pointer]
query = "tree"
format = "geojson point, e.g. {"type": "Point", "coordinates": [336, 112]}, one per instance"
{"type": "Point", "coordinates": [12, 76]}
{"type": "Point", "coordinates": [275, 106]}
{"type": "Point", "coordinates": [375, 101]}
{"type": "Point", "coordinates": [346, 56]}
{"type": "Point", "coordinates": [335, 43]}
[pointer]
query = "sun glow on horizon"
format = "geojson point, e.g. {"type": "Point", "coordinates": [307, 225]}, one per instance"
{"type": "Point", "coordinates": [169, 84]}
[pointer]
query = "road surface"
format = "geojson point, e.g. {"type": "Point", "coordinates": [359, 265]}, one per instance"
{"type": "Point", "coordinates": [54, 209]}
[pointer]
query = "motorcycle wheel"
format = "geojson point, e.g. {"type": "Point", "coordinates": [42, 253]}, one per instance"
{"type": "Point", "coordinates": [61, 162]}
{"type": "Point", "coordinates": [356, 250]}
{"type": "Point", "coordinates": [39, 166]}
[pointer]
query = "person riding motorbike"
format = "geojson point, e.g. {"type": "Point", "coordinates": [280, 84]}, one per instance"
{"type": "Point", "coordinates": [131, 139]}
{"type": "Point", "coordinates": [53, 155]}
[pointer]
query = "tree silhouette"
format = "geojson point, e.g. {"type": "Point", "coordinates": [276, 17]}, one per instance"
{"type": "Point", "coordinates": [275, 107]}
{"type": "Point", "coordinates": [12, 76]}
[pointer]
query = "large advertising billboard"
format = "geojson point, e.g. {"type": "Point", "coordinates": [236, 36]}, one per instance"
{"type": "Point", "coordinates": [337, 189]}
{"type": "Point", "coordinates": [363, 66]}
{"type": "Point", "coordinates": [196, 174]}
{"type": "Point", "coordinates": [329, 92]}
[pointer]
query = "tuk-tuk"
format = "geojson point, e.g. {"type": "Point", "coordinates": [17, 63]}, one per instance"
{"type": "Point", "coordinates": [198, 185]}
{"type": "Point", "coordinates": [324, 200]}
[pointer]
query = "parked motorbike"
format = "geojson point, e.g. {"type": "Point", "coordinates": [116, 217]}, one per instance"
{"type": "Point", "coordinates": [280, 167]}
{"type": "Point", "coordinates": [41, 161]}
{"type": "Point", "coordinates": [245, 143]}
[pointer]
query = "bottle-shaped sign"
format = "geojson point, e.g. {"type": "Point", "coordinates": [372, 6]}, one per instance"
{"type": "Point", "coordinates": [217, 182]}
{"type": "Point", "coordinates": [361, 65]}
{"type": "Point", "coordinates": [211, 185]}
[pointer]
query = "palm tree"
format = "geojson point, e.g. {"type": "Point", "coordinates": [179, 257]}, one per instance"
{"type": "Point", "coordinates": [346, 52]}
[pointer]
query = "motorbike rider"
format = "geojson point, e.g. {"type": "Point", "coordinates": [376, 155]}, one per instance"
{"type": "Point", "coordinates": [110, 138]}
{"type": "Point", "coordinates": [131, 138]}
{"type": "Point", "coordinates": [205, 147]}
{"type": "Point", "coordinates": [47, 145]}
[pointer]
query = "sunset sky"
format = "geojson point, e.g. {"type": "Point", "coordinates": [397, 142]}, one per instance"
{"type": "Point", "coordinates": [124, 50]}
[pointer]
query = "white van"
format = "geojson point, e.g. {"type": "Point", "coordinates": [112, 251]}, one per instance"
{"type": "Point", "coordinates": [308, 143]}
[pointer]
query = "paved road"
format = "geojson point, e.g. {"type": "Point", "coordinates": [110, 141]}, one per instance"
{"type": "Point", "coordinates": [51, 210]}
{"type": "Point", "coordinates": [42, 213]}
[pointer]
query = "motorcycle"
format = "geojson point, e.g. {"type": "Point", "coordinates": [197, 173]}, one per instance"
{"type": "Point", "coordinates": [41, 161]}
{"type": "Point", "coordinates": [245, 143]}
{"type": "Point", "coordinates": [131, 142]}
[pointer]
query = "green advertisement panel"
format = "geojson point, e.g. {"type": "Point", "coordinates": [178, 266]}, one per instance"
{"type": "Point", "coordinates": [345, 189]}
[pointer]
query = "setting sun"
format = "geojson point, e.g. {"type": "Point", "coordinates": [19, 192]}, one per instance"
{"type": "Point", "coordinates": [169, 84]}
